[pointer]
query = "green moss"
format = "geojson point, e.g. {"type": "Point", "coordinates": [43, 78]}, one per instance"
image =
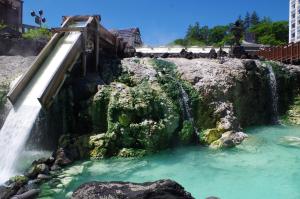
{"type": "Point", "coordinates": [292, 117]}
{"type": "Point", "coordinates": [3, 92]}
{"type": "Point", "coordinates": [137, 61]}
{"type": "Point", "coordinates": [99, 109]}
{"type": "Point", "coordinates": [211, 135]}
{"type": "Point", "coordinates": [126, 78]}
{"type": "Point", "coordinates": [128, 153]}
{"type": "Point", "coordinates": [187, 133]}
{"type": "Point", "coordinates": [2, 25]}
{"type": "Point", "coordinates": [142, 117]}
{"type": "Point", "coordinates": [145, 117]}
{"type": "Point", "coordinates": [19, 180]}
{"type": "Point", "coordinates": [287, 87]}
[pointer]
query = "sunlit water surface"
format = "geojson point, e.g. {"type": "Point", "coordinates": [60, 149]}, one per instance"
{"type": "Point", "coordinates": [266, 166]}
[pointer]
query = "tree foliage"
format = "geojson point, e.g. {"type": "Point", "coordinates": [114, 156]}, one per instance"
{"type": "Point", "coordinates": [264, 30]}
{"type": "Point", "coordinates": [40, 33]}
{"type": "Point", "coordinates": [272, 33]}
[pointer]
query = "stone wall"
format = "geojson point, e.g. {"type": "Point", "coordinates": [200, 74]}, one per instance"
{"type": "Point", "coordinates": [22, 47]}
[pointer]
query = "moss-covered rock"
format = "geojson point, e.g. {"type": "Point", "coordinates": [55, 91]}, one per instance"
{"type": "Point", "coordinates": [141, 117]}
{"type": "Point", "coordinates": [187, 133]}
{"type": "Point", "coordinates": [99, 108]}
{"type": "Point", "coordinates": [288, 82]}
{"type": "Point", "coordinates": [292, 117]}
{"type": "Point", "coordinates": [19, 180]}
{"type": "Point", "coordinates": [211, 135]}
{"type": "Point", "coordinates": [128, 153]}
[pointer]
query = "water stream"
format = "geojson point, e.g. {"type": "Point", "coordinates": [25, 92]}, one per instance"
{"type": "Point", "coordinates": [185, 105]}
{"type": "Point", "coordinates": [273, 86]}
{"type": "Point", "coordinates": [19, 123]}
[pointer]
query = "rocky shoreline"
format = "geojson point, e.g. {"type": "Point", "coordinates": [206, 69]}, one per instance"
{"type": "Point", "coordinates": [144, 105]}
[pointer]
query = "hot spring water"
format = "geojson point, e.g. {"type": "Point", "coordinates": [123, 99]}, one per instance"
{"type": "Point", "coordinates": [266, 165]}
{"type": "Point", "coordinates": [19, 123]}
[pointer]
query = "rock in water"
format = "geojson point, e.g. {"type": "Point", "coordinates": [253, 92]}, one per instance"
{"type": "Point", "coordinates": [290, 141]}
{"type": "Point", "coordinates": [163, 189]}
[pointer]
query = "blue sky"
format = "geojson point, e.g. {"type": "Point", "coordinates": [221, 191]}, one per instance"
{"type": "Point", "coordinates": [160, 21]}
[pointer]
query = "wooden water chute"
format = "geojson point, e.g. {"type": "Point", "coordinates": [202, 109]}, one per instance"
{"type": "Point", "coordinates": [94, 41]}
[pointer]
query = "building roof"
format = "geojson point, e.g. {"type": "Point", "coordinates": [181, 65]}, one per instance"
{"type": "Point", "coordinates": [13, 3]}
{"type": "Point", "coordinates": [131, 35]}
{"type": "Point", "coordinates": [128, 31]}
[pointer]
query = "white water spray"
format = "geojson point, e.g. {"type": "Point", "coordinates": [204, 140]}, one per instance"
{"type": "Point", "coordinates": [273, 85]}
{"type": "Point", "coordinates": [19, 123]}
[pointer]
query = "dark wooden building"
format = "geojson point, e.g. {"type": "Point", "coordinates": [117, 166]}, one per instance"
{"type": "Point", "coordinates": [11, 13]}
{"type": "Point", "coordinates": [132, 36]}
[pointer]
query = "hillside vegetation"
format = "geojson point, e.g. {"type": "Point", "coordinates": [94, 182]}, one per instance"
{"type": "Point", "coordinates": [262, 30]}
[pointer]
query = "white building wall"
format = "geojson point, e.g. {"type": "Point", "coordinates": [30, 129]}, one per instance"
{"type": "Point", "coordinates": [294, 21]}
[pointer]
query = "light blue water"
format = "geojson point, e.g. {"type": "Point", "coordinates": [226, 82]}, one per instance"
{"type": "Point", "coordinates": [266, 166]}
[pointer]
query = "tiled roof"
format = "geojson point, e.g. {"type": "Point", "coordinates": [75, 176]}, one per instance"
{"type": "Point", "coordinates": [131, 35]}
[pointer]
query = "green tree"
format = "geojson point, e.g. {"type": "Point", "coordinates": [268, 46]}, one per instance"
{"type": "Point", "coordinates": [193, 32]}
{"type": "Point", "coordinates": [247, 21]}
{"type": "Point", "coordinates": [204, 34]}
{"type": "Point", "coordinates": [179, 42]}
{"type": "Point", "coordinates": [254, 19]}
{"type": "Point", "coordinates": [280, 29]}
{"type": "Point", "coordinates": [217, 34]}
{"type": "Point", "coordinates": [273, 33]}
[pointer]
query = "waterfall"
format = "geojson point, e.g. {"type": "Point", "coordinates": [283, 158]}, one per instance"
{"type": "Point", "coordinates": [19, 123]}
{"type": "Point", "coordinates": [274, 95]}
{"type": "Point", "coordinates": [185, 106]}
{"type": "Point", "coordinates": [14, 135]}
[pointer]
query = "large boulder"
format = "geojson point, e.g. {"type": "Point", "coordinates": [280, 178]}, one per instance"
{"type": "Point", "coordinates": [163, 189]}
{"type": "Point", "coordinates": [141, 117]}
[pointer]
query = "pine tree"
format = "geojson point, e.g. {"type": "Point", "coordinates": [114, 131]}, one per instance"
{"type": "Point", "coordinates": [247, 22]}
{"type": "Point", "coordinates": [254, 19]}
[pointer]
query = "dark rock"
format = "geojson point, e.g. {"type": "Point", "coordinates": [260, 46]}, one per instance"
{"type": "Point", "coordinates": [55, 167]}
{"type": "Point", "coordinates": [237, 51]}
{"type": "Point", "coordinates": [244, 57]}
{"type": "Point", "coordinates": [40, 161]}
{"type": "Point", "coordinates": [30, 194]}
{"type": "Point", "coordinates": [43, 177]}
{"type": "Point", "coordinates": [250, 65]}
{"type": "Point", "coordinates": [7, 192]}
{"type": "Point", "coordinates": [212, 197]}
{"type": "Point", "coordinates": [165, 55]}
{"type": "Point", "coordinates": [163, 189]}
{"type": "Point", "coordinates": [212, 54]}
{"type": "Point", "coordinates": [35, 170]}
{"type": "Point", "coordinates": [186, 54]}
{"type": "Point", "coordinates": [139, 54]}
{"type": "Point", "coordinates": [61, 158]}
{"type": "Point", "coordinates": [222, 53]}
{"type": "Point", "coordinates": [228, 143]}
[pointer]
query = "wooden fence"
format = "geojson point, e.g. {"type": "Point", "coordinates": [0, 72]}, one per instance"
{"type": "Point", "coordinates": [289, 53]}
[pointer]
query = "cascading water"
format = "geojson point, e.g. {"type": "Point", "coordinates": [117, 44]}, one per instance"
{"type": "Point", "coordinates": [273, 86]}
{"type": "Point", "coordinates": [19, 123]}
{"type": "Point", "coordinates": [185, 105]}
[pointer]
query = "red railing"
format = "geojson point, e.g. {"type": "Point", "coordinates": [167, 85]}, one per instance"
{"type": "Point", "coordinates": [285, 53]}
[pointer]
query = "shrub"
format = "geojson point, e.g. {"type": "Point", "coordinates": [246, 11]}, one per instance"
{"type": "Point", "coordinates": [41, 33]}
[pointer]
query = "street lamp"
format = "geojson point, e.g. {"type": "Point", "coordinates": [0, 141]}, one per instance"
{"type": "Point", "coordinates": [39, 19]}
